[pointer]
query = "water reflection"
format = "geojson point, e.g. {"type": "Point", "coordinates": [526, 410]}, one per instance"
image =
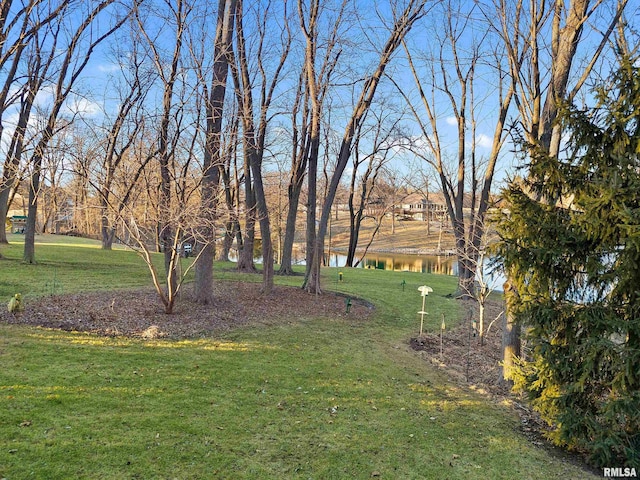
{"type": "Point", "coordinates": [440, 264]}
{"type": "Point", "coordinates": [443, 265]}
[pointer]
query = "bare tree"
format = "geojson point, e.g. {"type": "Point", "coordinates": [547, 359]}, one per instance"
{"type": "Point", "coordinates": [403, 22]}
{"type": "Point", "coordinates": [132, 84]}
{"type": "Point", "coordinates": [311, 92]}
{"type": "Point", "coordinates": [231, 183]}
{"type": "Point", "coordinates": [81, 42]}
{"type": "Point", "coordinates": [37, 71]}
{"type": "Point", "coordinates": [214, 104]}
{"type": "Point", "coordinates": [82, 150]}
{"type": "Point", "coordinates": [137, 204]}
{"type": "Point", "coordinates": [387, 192]}
{"type": "Point", "coordinates": [168, 67]}
{"type": "Point", "coordinates": [380, 137]}
{"type": "Point", "coordinates": [309, 28]}
{"type": "Point", "coordinates": [453, 74]}
{"type": "Point", "coordinates": [254, 138]}
{"type": "Point", "coordinates": [21, 30]}
{"type": "Point", "coordinates": [136, 235]}
{"type": "Point", "coordinates": [297, 171]}
{"type": "Point", "coordinates": [53, 194]}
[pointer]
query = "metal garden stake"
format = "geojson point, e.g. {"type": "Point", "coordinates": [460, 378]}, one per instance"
{"type": "Point", "coordinates": [424, 291]}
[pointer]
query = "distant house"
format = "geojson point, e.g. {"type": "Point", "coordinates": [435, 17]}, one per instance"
{"type": "Point", "coordinates": [64, 216]}
{"type": "Point", "coordinates": [16, 223]}
{"type": "Point", "coordinates": [416, 206]}
{"type": "Point", "coordinates": [17, 217]}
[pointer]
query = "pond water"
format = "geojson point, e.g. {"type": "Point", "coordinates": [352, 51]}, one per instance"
{"type": "Point", "coordinates": [437, 264]}
{"type": "Point", "coordinates": [441, 264]}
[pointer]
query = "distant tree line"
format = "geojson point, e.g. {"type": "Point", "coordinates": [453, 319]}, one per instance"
{"type": "Point", "coordinates": [161, 119]}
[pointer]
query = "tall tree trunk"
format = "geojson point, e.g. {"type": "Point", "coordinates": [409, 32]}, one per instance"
{"type": "Point", "coordinates": [511, 344]}
{"type": "Point", "coordinates": [70, 69]}
{"type": "Point", "coordinates": [29, 253]}
{"type": "Point", "coordinates": [232, 197]}
{"type": "Point", "coordinates": [300, 142]}
{"type": "Point", "coordinates": [265, 228]}
{"type": "Point", "coordinates": [286, 262]}
{"type": "Point", "coordinates": [107, 231]}
{"type": "Point", "coordinates": [412, 12]}
{"type": "Point", "coordinates": [245, 251]}
{"type": "Point", "coordinates": [354, 218]}
{"type": "Point", "coordinates": [211, 176]}
{"type": "Point", "coordinates": [310, 33]}
{"type": "Point", "coordinates": [254, 138]}
{"type": "Point", "coordinates": [313, 258]}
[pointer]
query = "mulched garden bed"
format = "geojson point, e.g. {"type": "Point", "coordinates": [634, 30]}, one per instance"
{"type": "Point", "coordinates": [140, 312]}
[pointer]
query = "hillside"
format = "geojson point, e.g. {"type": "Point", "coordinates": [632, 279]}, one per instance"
{"type": "Point", "coordinates": [407, 237]}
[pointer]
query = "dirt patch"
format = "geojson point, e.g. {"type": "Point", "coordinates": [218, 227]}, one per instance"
{"type": "Point", "coordinates": [140, 313]}
{"type": "Point", "coordinates": [458, 351]}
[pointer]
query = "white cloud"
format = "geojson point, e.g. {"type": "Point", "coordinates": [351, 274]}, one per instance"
{"type": "Point", "coordinates": [82, 106]}
{"type": "Point", "coordinates": [9, 124]}
{"type": "Point", "coordinates": [451, 121]}
{"type": "Point", "coordinates": [108, 67]}
{"type": "Point", "coordinates": [44, 97]}
{"type": "Point", "coordinates": [483, 140]}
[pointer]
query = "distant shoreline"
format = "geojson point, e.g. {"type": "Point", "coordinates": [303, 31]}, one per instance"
{"type": "Point", "coordinates": [399, 251]}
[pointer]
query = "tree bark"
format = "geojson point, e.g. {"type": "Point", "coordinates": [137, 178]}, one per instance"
{"type": "Point", "coordinates": [245, 251]}
{"type": "Point", "coordinates": [29, 253]}
{"type": "Point", "coordinates": [511, 345]}
{"type": "Point", "coordinates": [286, 262]}
{"type": "Point", "coordinates": [412, 12]}
{"type": "Point", "coordinates": [255, 140]}
{"type": "Point", "coordinates": [299, 159]}
{"type": "Point", "coordinates": [62, 89]}
{"type": "Point", "coordinates": [211, 176]}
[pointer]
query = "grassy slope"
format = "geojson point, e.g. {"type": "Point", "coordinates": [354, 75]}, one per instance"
{"type": "Point", "coordinates": [67, 265]}
{"type": "Point", "coordinates": [306, 399]}
{"type": "Point", "coordinates": [410, 235]}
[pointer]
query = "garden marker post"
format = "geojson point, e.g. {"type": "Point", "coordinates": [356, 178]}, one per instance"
{"type": "Point", "coordinates": [442, 328]}
{"type": "Point", "coordinates": [424, 291]}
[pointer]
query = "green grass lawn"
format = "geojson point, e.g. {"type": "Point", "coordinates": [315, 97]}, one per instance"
{"type": "Point", "coordinates": [321, 399]}
{"type": "Point", "coordinates": [68, 265]}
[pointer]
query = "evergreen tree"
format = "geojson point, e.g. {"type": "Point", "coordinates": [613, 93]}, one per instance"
{"type": "Point", "coordinates": [571, 240]}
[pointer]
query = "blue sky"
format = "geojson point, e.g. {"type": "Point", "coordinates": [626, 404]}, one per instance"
{"type": "Point", "coordinates": [365, 30]}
